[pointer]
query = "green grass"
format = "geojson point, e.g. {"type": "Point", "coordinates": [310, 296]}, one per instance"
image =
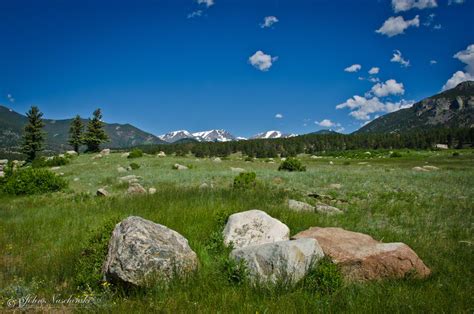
{"type": "Point", "coordinates": [42, 237]}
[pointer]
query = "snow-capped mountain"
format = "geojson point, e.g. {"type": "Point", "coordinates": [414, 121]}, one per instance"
{"type": "Point", "coordinates": [272, 134]}
{"type": "Point", "coordinates": [214, 136]}
{"type": "Point", "coordinates": [175, 136]}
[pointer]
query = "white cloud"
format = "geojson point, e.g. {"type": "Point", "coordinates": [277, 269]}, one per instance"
{"type": "Point", "coordinates": [262, 61]}
{"type": "Point", "coordinates": [279, 116]}
{"type": "Point", "coordinates": [397, 57]}
{"type": "Point", "coordinates": [207, 3]}
{"type": "Point", "coordinates": [373, 79]}
{"type": "Point", "coordinates": [465, 56]}
{"type": "Point", "coordinates": [405, 5]}
{"type": "Point", "coordinates": [433, 62]}
{"type": "Point", "coordinates": [455, 2]}
{"type": "Point", "coordinates": [363, 107]}
{"type": "Point", "coordinates": [268, 21]}
{"type": "Point", "coordinates": [353, 68]}
{"type": "Point", "coordinates": [194, 14]}
{"type": "Point", "coordinates": [390, 87]}
{"type": "Point", "coordinates": [457, 78]}
{"type": "Point", "coordinates": [326, 123]}
{"type": "Point", "coordinates": [374, 70]}
{"type": "Point", "coordinates": [437, 26]}
{"type": "Point", "coordinates": [397, 25]}
{"type": "Point", "coordinates": [10, 98]}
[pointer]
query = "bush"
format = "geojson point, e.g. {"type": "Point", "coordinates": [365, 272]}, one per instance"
{"type": "Point", "coordinates": [395, 155]}
{"type": "Point", "coordinates": [33, 181]}
{"type": "Point", "coordinates": [235, 272]}
{"type": "Point", "coordinates": [456, 154]}
{"type": "Point", "coordinates": [135, 153]}
{"type": "Point", "coordinates": [291, 164]}
{"type": "Point", "coordinates": [245, 180]}
{"type": "Point", "coordinates": [248, 158]}
{"type": "Point", "coordinates": [134, 166]}
{"type": "Point", "coordinates": [56, 161]}
{"type": "Point", "coordinates": [89, 265]}
{"type": "Point", "coordinates": [324, 278]}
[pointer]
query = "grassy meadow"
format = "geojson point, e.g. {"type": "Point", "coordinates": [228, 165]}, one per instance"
{"type": "Point", "coordinates": [42, 237]}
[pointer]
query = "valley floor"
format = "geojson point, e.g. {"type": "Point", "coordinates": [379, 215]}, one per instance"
{"type": "Point", "coordinates": [43, 237]}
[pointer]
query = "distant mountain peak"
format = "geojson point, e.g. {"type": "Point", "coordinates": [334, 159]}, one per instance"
{"type": "Point", "coordinates": [272, 134]}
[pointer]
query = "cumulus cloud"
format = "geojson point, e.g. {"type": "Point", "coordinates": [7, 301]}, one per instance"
{"type": "Point", "coordinates": [405, 5]}
{"type": "Point", "coordinates": [10, 98]}
{"type": "Point", "coordinates": [262, 61]}
{"type": "Point", "coordinates": [390, 87]}
{"type": "Point", "coordinates": [397, 25]}
{"type": "Point", "coordinates": [194, 14]}
{"type": "Point", "coordinates": [268, 21]}
{"type": "Point", "coordinates": [207, 3]}
{"type": "Point", "coordinates": [279, 116]}
{"type": "Point", "coordinates": [374, 70]}
{"type": "Point", "coordinates": [397, 57]}
{"type": "Point", "coordinates": [353, 68]}
{"type": "Point", "coordinates": [326, 123]}
{"type": "Point", "coordinates": [363, 107]}
{"type": "Point", "coordinates": [467, 57]}
{"type": "Point", "coordinates": [432, 62]}
{"type": "Point", "coordinates": [455, 2]}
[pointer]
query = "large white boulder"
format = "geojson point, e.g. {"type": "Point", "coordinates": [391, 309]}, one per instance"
{"type": "Point", "coordinates": [285, 260]}
{"type": "Point", "coordinates": [254, 227]}
{"type": "Point", "coordinates": [141, 251]}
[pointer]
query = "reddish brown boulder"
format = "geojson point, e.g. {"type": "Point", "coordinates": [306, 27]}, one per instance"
{"type": "Point", "coordinates": [363, 258]}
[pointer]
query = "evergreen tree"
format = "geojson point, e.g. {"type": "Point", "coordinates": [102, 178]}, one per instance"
{"type": "Point", "coordinates": [75, 133]}
{"type": "Point", "coordinates": [33, 137]}
{"type": "Point", "coordinates": [95, 134]}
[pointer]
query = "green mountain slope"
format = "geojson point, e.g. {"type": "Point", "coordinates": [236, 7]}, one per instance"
{"type": "Point", "coordinates": [453, 108]}
{"type": "Point", "coordinates": [57, 133]}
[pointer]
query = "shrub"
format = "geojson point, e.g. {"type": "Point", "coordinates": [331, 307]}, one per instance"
{"type": "Point", "coordinates": [248, 158]}
{"type": "Point", "coordinates": [235, 272]}
{"type": "Point", "coordinates": [53, 162]}
{"type": "Point", "coordinates": [291, 164]}
{"type": "Point", "coordinates": [245, 180]}
{"type": "Point", "coordinates": [395, 155]}
{"type": "Point", "coordinates": [324, 278]}
{"type": "Point", "coordinates": [33, 181]}
{"type": "Point", "coordinates": [135, 153]}
{"type": "Point", "coordinates": [346, 163]}
{"type": "Point", "coordinates": [134, 166]}
{"type": "Point", "coordinates": [456, 154]}
{"type": "Point", "coordinates": [89, 264]}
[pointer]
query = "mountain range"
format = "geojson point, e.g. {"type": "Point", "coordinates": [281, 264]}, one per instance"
{"type": "Point", "coordinates": [453, 108]}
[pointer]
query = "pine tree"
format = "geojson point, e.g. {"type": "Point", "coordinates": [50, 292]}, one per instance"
{"type": "Point", "coordinates": [95, 134]}
{"type": "Point", "coordinates": [33, 137]}
{"type": "Point", "coordinates": [75, 133]}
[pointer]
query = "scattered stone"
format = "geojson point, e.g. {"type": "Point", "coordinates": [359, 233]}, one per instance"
{"type": "Point", "coordinates": [61, 156]}
{"type": "Point", "coordinates": [300, 206]}
{"type": "Point", "coordinates": [71, 153]}
{"type": "Point", "coordinates": [327, 209]}
{"type": "Point", "coordinates": [3, 161]}
{"type": "Point", "coordinates": [363, 258]}
{"type": "Point", "coordinates": [204, 186]}
{"type": "Point", "coordinates": [217, 159]}
{"type": "Point", "coordinates": [102, 192]}
{"type": "Point", "coordinates": [121, 169]}
{"type": "Point", "coordinates": [254, 227]}
{"type": "Point", "coordinates": [331, 163]}
{"type": "Point", "coordinates": [129, 178]}
{"type": "Point", "coordinates": [430, 168]}
{"type": "Point", "coordinates": [125, 155]}
{"type": "Point", "coordinates": [363, 163]}
{"type": "Point", "coordinates": [2, 174]}
{"type": "Point", "coordinates": [55, 168]}
{"type": "Point", "coordinates": [316, 157]}
{"type": "Point", "coordinates": [141, 251]}
{"type": "Point", "coordinates": [442, 146]}
{"type": "Point", "coordinates": [335, 186]}
{"type": "Point", "coordinates": [61, 174]}
{"type": "Point", "coordinates": [151, 191]}
{"type": "Point", "coordinates": [98, 156]}
{"type": "Point", "coordinates": [76, 179]}
{"type": "Point", "coordinates": [136, 189]}
{"type": "Point", "coordinates": [284, 260]}
{"type": "Point", "coordinates": [420, 169]}
{"type": "Point", "coordinates": [161, 154]}
{"type": "Point", "coordinates": [283, 159]}
{"type": "Point", "coordinates": [237, 169]}
{"type": "Point", "coordinates": [180, 167]}
{"type": "Point", "coordinates": [105, 152]}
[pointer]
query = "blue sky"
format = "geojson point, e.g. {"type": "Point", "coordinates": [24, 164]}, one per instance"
{"type": "Point", "coordinates": [160, 67]}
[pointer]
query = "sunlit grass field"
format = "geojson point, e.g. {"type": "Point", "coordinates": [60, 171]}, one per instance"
{"type": "Point", "coordinates": [42, 237]}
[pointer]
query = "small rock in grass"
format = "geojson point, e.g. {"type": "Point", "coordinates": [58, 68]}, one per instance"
{"type": "Point", "coordinates": [76, 179]}
{"type": "Point", "coordinates": [161, 154]}
{"type": "Point", "coordinates": [98, 156]}
{"type": "Point", "coordinates": [430, 168]}
{"type": "Point", "coordinates": [105, 152]}
{"type": "Point", "coordinates": [217, 159]}
{"type": "Point", "coordinates": [300, 206]}
{"type": "Point", "coordinates": [420, 169]}
{"type": "Point", "coordinates": [335, 186]}
{"type": "Point", "coordinates": [327, 209]}
{"type": "Point", "coordinates": [331, 163]}
{"type": "Point", "coordinates": [151, 191]}
{"type": "Point", "coordinates": [237, 169]}
{"type": "Point", "coordinates": [125, 155]}
{"type": "Point", "coordinates": [121, 169]}
{"type": "Point", "coordinates": [55, 168]}
{"type": "Point", "coordinates": [102, 192]}
{"type": "Point", "coordinates": [180, 167]}
{"type": "Point", "coordinates": [136, 189]}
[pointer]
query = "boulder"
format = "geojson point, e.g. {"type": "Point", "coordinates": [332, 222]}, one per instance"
{"type": "Point", "coordinates": [180, 167]}
{"type": "Point", "coordinates": [141, 251]}
{"type": "Point", "coordinates": [3, 161]}
{"type": "Point", "coordinates": [429, 168]}
{"type": "Point", "coordinates": [151, 191]}
{"type": "Point", "coordinates": [98, 156]}
{"type": "Point", "coordinates": [237, 169]}
{"type": "Point", "coordinates": [442, 146]}
{"type": "Point", "coordinates": [136, 189]}
{"type": "Point", "coordinates": [102, 192]}
{"type": "Point", "coordinates": [125, 155]}
{"type": "Point", "coordinates": [105, 152]}
{"type": "Point", "coordinates": [254, 227]}
{"type": "Point", "coordinates": [55, 168]}
{"type": "Point", "coordinates": [331, 162]}
{"type": "Point", "coordinates": [285, 260]}
{"type": "Point", "coordinates": [71, 153]}
{"type": "Point", "coordinates": [327, 209]}
{"type": "Point", "coordinates": [161, 154]}
{"type": "Point", "coordinates": [121, 169]}
{"type": "Point", "coordinates": [300, 206]}
{"type": "Point", "coordinates": [363, 258]}
{"type": "Point", "coordinates": [316, 157]}
{"type": "Point", "coordinates": [217, 159]}
{"type": "Point", "coordinates": [420, 169]}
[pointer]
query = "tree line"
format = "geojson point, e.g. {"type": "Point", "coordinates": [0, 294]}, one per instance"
{"type": "Point", "coordinates": [34, 137]}
{"type": "Point", "coordinates": [318, 143]}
